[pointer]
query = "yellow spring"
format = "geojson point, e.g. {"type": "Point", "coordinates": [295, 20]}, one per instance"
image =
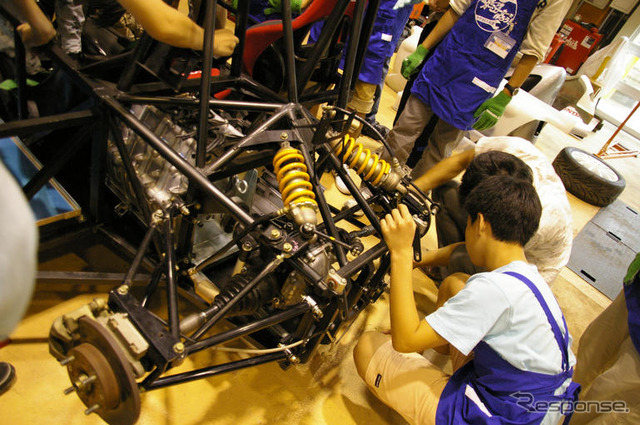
{"type": "Point", "coordinates": [366, 163]}
{"type": "Point", "coordinates": [293, 180]}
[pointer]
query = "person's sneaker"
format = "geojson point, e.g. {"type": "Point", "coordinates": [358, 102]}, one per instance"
{"type": "Point", "coordinates": [7, 377]}
{"type": "Point", "coordinates": [382, 129]}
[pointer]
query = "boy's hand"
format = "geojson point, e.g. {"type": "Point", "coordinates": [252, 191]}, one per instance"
{"type": "Point", "coordinates": [398, 229]}
{"type": "Point", "coordinates": [224, 42]}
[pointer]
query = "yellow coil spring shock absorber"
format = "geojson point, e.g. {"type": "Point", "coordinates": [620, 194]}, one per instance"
{"type": "Point", "coordinates": [295, 187]}
{"type": "Point", "coordinates": [367, 164]}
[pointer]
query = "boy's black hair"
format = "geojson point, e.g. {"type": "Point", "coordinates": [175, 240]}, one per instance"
{"type": "Point", "coordinates": [492, 163]}
{"type": "Point", "coordinates": [510, 205]}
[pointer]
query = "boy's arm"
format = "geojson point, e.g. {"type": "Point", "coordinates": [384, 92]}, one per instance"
{"type": "Point", "coordinates": [438, 257]}
{"type": "Point", "coordinates": [408, 332]}
{"type": "Point", "coordinates": [445, 170]}
{"type": "Point", "coordinates": [38, 30]}
{"type": "Point", "coordinates": [169, 26]}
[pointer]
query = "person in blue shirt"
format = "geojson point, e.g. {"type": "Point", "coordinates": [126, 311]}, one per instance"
{"type": "Point", "coordinates": [507, 318]}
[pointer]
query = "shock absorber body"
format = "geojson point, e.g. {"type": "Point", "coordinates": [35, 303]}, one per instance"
{"type": "Point", "coordinates": [295, 186]}
{"type": "Point", "coordinates": [368, 165]}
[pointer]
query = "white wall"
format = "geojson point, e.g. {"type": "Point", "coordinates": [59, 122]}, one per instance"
{"type": "Point", "coordinates": [631, 25]}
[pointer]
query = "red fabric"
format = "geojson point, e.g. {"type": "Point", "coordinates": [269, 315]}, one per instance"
{"type": "Point", "coordinates": [214, 73]}
{"type": "Point", "coordinates": [262, 35]}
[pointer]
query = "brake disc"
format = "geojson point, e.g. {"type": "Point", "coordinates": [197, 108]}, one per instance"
{"type": "Point", "coordinates": [102, 376]}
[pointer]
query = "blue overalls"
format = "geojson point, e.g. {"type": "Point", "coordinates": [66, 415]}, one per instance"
{"type": "Point", "coordinates": [632, 299]}
{"type": "Point", "coordinates": [385, 35]}
{"type": "Point", "coordinates": [507, 394]}
{"type": "Point", "coordinates": [467, 67]}
{"type": "Point", "coordinates": [258, 11]}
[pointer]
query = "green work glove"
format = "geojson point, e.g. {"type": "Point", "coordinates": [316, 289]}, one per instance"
{"type": "Point", "coordinates": [276, 7]}
{"type": "Point", "coordinates": [414, 60]}
{"type": "Point", "coordinates": [490, 111]}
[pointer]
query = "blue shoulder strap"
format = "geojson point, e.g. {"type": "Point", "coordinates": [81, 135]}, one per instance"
{"type": "Point", "coordinates": [562, 340]}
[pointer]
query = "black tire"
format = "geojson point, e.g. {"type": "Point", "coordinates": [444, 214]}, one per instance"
{"type": "Point", "coordinates": [588, 177]}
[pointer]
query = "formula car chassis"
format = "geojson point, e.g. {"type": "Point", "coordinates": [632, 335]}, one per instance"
{"type": "Point", "coordinates": [235, 222]}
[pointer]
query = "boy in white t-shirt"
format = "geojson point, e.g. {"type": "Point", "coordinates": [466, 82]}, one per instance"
{"type": "Point", "coordinates": [521, 367]}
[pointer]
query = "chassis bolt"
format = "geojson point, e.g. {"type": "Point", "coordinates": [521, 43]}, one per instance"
{"type": "Point", "coordinates": [287, 247]}
{"type": "Point", "coordinates": [67, 360]}
{"type": "Point", "coordinates": [178, 347]}
{"type": "Point", "coordinates": [284, 136]}
{"type": "Point", "coordinates": [246, 246]}
{"type": "Point", "coordinates": [275, 234]}
{"type": "Point", "coordinates": [69, 390]}
{"type": "Point", "coordinates": [123, 290]}
{"type": "Point", "coordinates": [294, 360]}
{"type": "Point", "coordinates": [92, 409]}
{"type": "Point", "coordinates": [83, 382]}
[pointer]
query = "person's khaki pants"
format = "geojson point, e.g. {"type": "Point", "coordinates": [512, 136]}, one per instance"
{"type": "Point", "coordinates": [608, 368]}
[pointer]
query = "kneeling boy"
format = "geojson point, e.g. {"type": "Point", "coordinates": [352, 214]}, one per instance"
{"type": "Point", "coordinates": [507, 318]}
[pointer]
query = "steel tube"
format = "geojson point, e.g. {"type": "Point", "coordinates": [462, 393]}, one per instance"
{"type": "Point", "coordinates": [219, 314]}
{"type": "Point", "coordinates": [172, 295]}
{"type": "Point", "coordinates": [349, 63]}
{"type": "Point", "coordinates": [290, 59]}
{"type": "Point", "coordinates": [364, 258]}
{"type": "Point", "coordinates": [182, 378]}
{"type": "Point", "coordinates": [180, 163]}
{"type": "Point", "coordinates": [249, 328]}
{"type": "Point", "coordinates": [191, 102]}
{"type": "Point", "coordinates": [205, 82]}
{"type": "Point", "coordinates": [236, 149]}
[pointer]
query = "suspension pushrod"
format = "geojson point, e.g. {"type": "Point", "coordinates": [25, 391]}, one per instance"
{"type": "Point", "coordinates": [182, 378]}
{"type": "Point", "coordinates": [325, 212]}
{"type": "Point", "coordinates": [355, 192]}
{"type": "Point", "coordinates": [249, 328]}
{"type": "Point", "coordinates": [142, 250]}
{"type": "Point", "coordinates": [219, 313]}
{"type": "Point", "coordinates": [177, 161]}
{"type": "Point", "coordinates": [170, 273]}
{"type": "Point", "coordinates": [213, 103]}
